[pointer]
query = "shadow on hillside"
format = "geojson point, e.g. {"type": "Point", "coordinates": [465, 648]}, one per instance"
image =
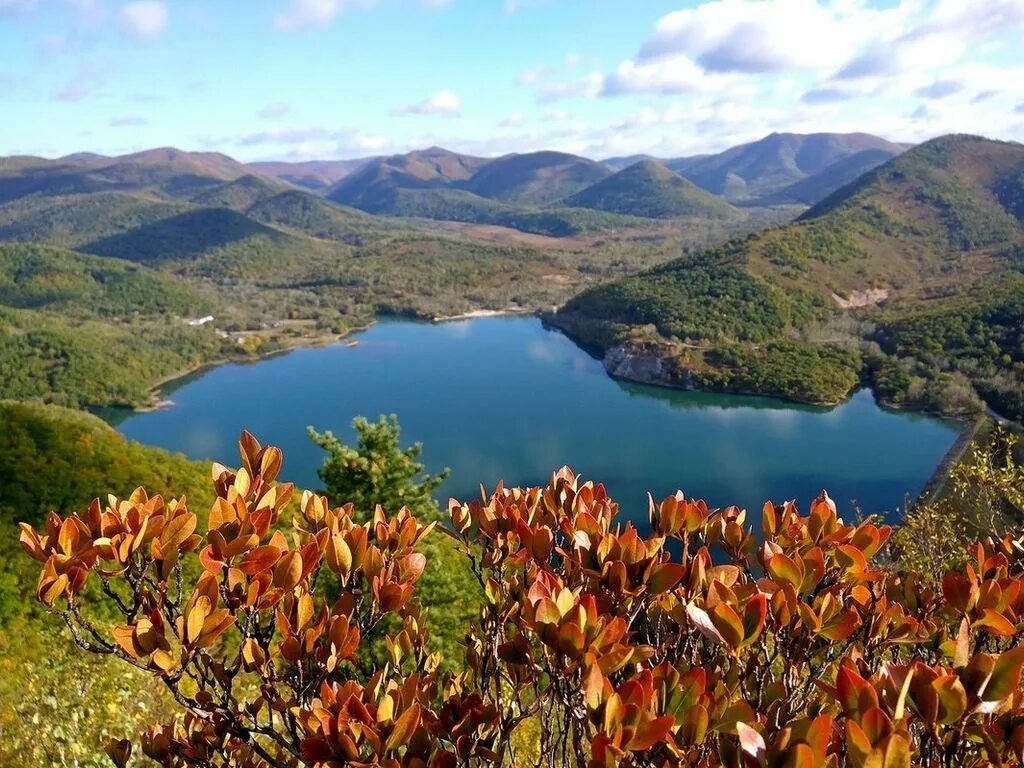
{"type": "Point", "coordinates": [184, 236]}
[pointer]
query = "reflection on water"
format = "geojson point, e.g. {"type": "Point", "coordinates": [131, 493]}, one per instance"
{"type": "Point", "coordinates": [505, 398]}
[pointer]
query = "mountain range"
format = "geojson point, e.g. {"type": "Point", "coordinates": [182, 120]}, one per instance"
{"type": "Point", "coordinates": [550, 193]}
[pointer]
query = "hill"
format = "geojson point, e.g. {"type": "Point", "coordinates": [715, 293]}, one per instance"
{"type": "Point", "coordinates": [159, 173]}
{"type": "Point", "coordinates": [938, 228]}
{"type": "Point", "coordinates": [815, 188]}
{"type": "Point", "coordinates": [375, 187]}
{"type": "Point", "coordinates": [763, 168]}
{"type": "Point", "coordinates": [314, 175]}
{"type": "Point", "coordinates": [535, 179]}
{"type": "Point", "coordinates": [649, 189]}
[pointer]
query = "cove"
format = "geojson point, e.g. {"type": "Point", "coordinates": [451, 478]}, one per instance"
{"type": "Point", "coordinates": [506, 398]}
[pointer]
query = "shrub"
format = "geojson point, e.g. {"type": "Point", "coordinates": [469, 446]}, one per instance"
{"type": "Point", "coordinates": [790, 648]}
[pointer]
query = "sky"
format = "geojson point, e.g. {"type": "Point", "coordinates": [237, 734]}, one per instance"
{"type": "Point", "coordinates": [330, 79]}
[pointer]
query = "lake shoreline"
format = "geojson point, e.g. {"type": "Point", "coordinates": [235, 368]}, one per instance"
{"type": "Point", "coordinates": [157, 388]}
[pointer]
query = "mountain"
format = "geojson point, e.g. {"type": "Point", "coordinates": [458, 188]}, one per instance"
{"type": "Point", "coordinates": [164, 173]}
{"type": "Point", "coordinates": [762, 168]}
{"type": "Point", "coordinates": [925, 251]}
{"type": "Point", "coordinates": [315, 175]}
{"type": "Point", "coordinates": [618, 163]}
{"type": "Point", "coordinates": [649, 189]}
{"type": "Point", "coordinates": [517, 191]}
{"type": "Point", "coordinates": [536, 178]}
{"type": "Point", "coordinates": [375, 187]}
{"type": "Point", "coordinates": [815, 188]}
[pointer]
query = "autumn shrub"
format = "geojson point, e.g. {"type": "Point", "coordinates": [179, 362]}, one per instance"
{"type": "Point", "coordinates": [594, 645]}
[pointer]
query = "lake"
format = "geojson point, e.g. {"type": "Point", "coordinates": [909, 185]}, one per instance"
{"type": "Point", "coordinates": [506, 398]}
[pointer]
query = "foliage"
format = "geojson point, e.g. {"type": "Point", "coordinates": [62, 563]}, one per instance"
{"type": "Point", "coordinates": [704, 297]}
{"type": "Point", "coordinates": [60, 706]}
{"type": "Point", "coordinates": [377, 470]}
{"type": "Point", "coordinates": [46, 356]}
{"type": "Point", "coordinates": [984, 493]}
{"type": "Point", "coordinates": [795, 650]}
{"type": "Point", "coordinates": [976, 333]}
{"type": "Point", "coordinates": [929, 541]}
{"type": "Point", "coordinates": [37, 277]}
{"type": "Point", "coordinates": [990, 481]}
{"type": "Point", "coordinates": [810, 373]}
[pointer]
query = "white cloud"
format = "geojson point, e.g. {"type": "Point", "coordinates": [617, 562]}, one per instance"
{"type": "Point", "coordinates": [274, 110]}
{"type": "Point", "coordinates": [675, 74]}
{"type": "Point", "coordinates": [143, 19]}
{"type": "Point", "coordinates": [759, 35]}
{"type": "Point", "coordinates": [443, 103]}
{"type": "Point", "coordinates": [584, 88]}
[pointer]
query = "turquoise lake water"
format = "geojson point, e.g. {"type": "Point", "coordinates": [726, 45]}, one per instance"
{"type": "Point", "coordinates": [506, 398]}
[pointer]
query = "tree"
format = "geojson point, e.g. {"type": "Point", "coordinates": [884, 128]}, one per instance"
{"type": "Point", "coordinates": [791, 649]}
{"type": "Point", "coordinates": [378, 470]}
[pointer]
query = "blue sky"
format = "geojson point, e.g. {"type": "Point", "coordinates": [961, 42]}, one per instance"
{"type": "Point", "coordinates": [321, 79]}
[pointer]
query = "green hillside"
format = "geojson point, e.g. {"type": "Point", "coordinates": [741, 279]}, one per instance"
{"type": "Point", "coordinates": [185, 236]}
{"type": "Point", "coordinates": [374, 188]}
{"type": "Point", "coordinates": [651, 190]}
{"type": "Point", "coordinates": [535, 179]}
{"type": "Point", "coordinates": [73, 220]}
{"type": "Point", "coordinates": [42, 277]}
{"type": "Point", "coordinates": [900, 266]}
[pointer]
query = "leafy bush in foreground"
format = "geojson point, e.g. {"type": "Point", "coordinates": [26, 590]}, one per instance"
{"type": "Point", "coordinates": [795, 649]}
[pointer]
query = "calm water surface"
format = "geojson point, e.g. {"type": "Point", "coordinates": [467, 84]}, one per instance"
{"type": "Point", "coordinates": [505, 398]}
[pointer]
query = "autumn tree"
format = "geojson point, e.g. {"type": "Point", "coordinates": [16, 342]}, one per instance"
{"type": "Point", "coordinates": [788, 647]}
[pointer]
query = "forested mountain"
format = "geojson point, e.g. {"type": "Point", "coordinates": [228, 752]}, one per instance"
{"type": "Point", "coordinates": [916, 265]}
{"type": "Point", "coordinates": [536, 178]}
{"type": "Point", "coordinates": [534, 192]}
{"type": "Point", "coordinates": [763, 168]}
{"type": "Point", "coordinates": [649, 189]}
{"type": "Point", "coordinates": [374, 188]}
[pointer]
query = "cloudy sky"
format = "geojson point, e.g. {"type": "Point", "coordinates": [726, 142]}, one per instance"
{"type": "Point", "coordinates": [303, 79]}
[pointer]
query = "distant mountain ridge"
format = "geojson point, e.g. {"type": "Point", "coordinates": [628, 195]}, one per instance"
{"type": "Point", "coordinates": [546, 192]}
{"type": "Point", "coordinates": [763, 168]}
{"type": "Point", "coordinates": [314, 175]}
